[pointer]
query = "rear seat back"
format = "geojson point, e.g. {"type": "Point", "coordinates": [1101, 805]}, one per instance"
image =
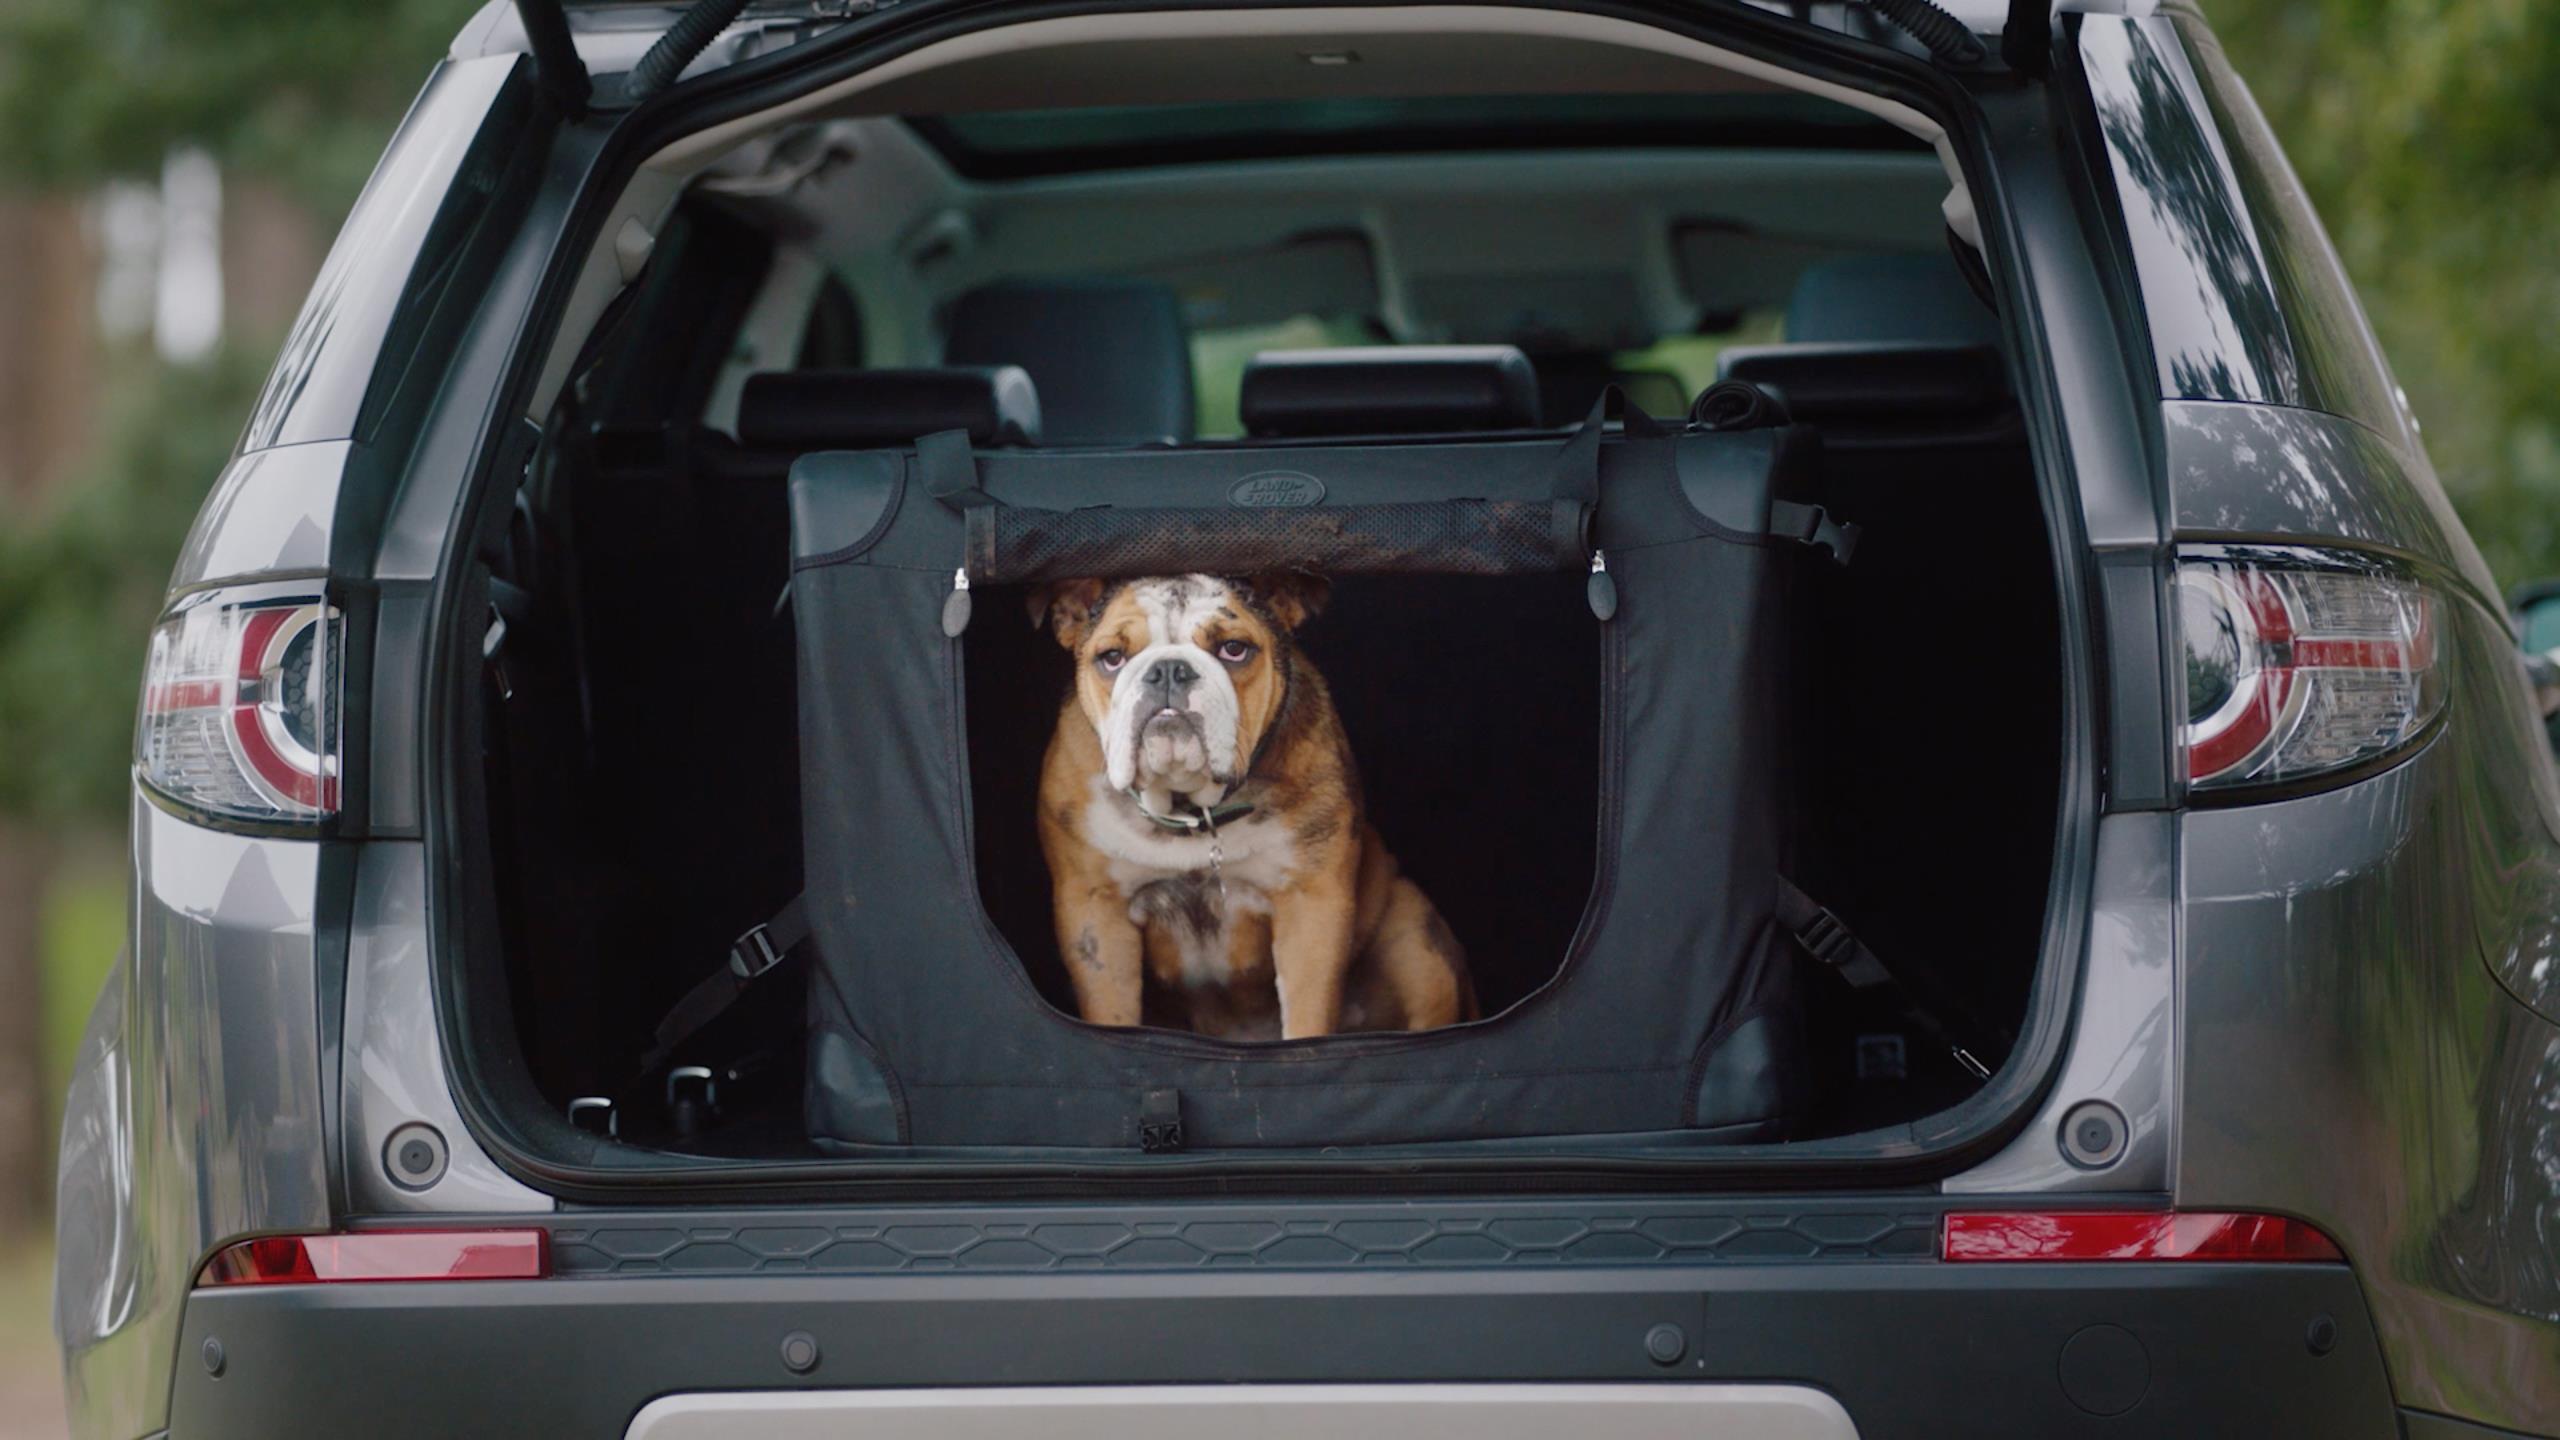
{"type": "Point", "coordinates": [1111, 358]}
{"type": "Point", "coordinates": [1862, 298]}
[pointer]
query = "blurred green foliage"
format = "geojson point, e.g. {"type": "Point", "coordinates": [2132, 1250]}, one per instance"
{"type": "Point", "coordinates": [81, 582]}
{"type": "Point", "coordinates": [2428, 133]}
{"type": "Point", "coordinates": [300, 91]}
{"type": "Point", "coordinates": [81, 934]}
{"type": "Point", "coordinates": [303, 93]}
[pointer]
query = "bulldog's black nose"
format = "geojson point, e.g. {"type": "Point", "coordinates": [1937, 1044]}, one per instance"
{"type": "Point", "coordinates": [1171, 673]}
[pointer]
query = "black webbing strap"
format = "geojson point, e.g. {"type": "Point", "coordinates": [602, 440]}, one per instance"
{"type": "Point", "coordinates": [1578, 464]}
{"type": "Point", "coordinates": [751, 956]}
{"type": "Point", "coordinates": [951, 469]}
{"type": "Point", "coordinates": [1828, 939]}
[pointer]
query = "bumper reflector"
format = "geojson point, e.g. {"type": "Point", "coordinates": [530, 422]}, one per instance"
{"type": "Point", "coordinates": [2083, 1235]}
{"type": "Point", "coordinates": [381, 1255]}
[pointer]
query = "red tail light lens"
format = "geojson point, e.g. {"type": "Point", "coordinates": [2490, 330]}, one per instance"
{"type": "Point", "coordinates": [2300, 662]}
{"type": "Point", "coordinates": [2086, 1235]}
{"type": "Point", "coordinates": [381, 1255]}
{"type": "Point", "coordinates": [240, 707]}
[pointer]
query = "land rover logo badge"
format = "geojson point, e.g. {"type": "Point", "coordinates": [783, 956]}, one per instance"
{"type": "Point", "coordinates": [1276, 489]}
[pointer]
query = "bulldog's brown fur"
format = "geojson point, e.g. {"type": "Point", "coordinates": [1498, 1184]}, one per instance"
{"type": "Point", "coordinates": [1290, 920]}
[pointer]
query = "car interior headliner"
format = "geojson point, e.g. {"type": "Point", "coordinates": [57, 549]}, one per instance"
{"type": "Point", "coordinates": [1176, 57]}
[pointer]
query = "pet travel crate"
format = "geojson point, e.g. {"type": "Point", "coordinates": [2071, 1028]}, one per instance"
{"type": "Point", "coordinates": [1673, 1011]}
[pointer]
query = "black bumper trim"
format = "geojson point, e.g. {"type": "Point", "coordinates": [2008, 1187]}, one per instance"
{"type": "Point", "coordinates": [1911, 1348]}
{"type": "Point", "coordinates": [1246, 1235]}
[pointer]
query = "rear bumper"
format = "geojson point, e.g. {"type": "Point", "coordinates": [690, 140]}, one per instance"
{"type": "Point", "coordinates": [1906, 1346]}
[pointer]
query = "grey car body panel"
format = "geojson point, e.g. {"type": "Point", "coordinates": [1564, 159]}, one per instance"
{"type": "Point", "coordinates": [199, 1117]}
{"type": "Point", "coordinates": [2350, 1060]}
{"type": "Point", "coordinates": [2124, 1051]}
{"type": "Point", "coordinates": [395, 1073]}
{"type": "Point", "coordinates": [270, 514]}
{"type": "Point", "coordinates": [1171, 1412]}
{"type": "Point", "coordinates": [317, 390]}
{"type": "Point", "coordinates": [2304, 475]}
{"type": "Point", "coordinates": [2348, 1053]}
{"type": "Point", "coordinates": [201, 1106]}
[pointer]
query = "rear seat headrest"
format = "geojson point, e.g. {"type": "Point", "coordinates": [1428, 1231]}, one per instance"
{"type": "Point", "coordinates": [1884, 380]}
{"type": "Point", "coordinates": [820, 409]}
{"type": "Point", "coordinates": [1389, 390]}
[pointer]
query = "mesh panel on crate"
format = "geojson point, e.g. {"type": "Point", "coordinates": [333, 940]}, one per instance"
{"type": "Point", "coordinates": [1443, 537]}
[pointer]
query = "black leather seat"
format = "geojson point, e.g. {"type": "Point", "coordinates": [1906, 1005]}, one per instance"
{"type": "Point", "coordinates": [1389, 390]}
{"type": "Point", "coordinates": [1111, 358]}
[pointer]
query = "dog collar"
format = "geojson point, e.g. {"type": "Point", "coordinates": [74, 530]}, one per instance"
{"type": "Point", "coordinates": [1198, 819]}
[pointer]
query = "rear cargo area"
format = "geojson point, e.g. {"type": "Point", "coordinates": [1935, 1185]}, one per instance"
{"type": "Point", "coordinates": [646, 794]}
{"type": "Point", "coordinates": [1472, 704]}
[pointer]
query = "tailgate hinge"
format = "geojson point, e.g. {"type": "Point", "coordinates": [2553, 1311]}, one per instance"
{"type": "Point", "coordinates": [555, 55]}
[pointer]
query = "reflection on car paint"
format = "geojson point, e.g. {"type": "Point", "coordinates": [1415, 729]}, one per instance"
{"type": "Point", "coordinates": [270, 512]}
{"type": "Point", "coordinates": [2334, 988]}
{"type": "Point", "coordinates": [329, 356]}
{"type": "Point", "coordinates": [2264, 470]}
{"type": "Point", "coordinates": [214, 1087]}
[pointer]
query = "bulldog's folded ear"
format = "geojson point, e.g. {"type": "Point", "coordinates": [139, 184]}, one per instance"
{"type": "Point", "coordinates": [1290, 597]}
{"type": "Point", "coordinates": [1067, 606]}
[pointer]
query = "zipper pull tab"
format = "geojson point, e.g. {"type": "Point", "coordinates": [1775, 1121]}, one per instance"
{"type": "Point", "coordinates": [955, 608]}
{"type": "Point", "coordinates": [1602, 590]}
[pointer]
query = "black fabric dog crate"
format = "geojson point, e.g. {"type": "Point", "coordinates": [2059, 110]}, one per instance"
{"type": "Point", "coordinates": [1674, 1010]}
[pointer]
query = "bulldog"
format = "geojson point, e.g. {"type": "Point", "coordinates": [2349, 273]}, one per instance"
{"type": "Point", "coordinates": [1202, 820]}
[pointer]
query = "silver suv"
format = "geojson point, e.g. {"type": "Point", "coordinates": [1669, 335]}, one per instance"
{"type": "Point", "coordinates": [2175, 1048]}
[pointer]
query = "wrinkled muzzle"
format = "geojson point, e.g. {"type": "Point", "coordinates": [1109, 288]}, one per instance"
{"type": "Point", "coordinates": [1171, 729]}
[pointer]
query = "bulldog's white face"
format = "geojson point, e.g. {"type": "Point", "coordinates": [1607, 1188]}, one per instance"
{"type": "Point", "coordinates": [1180, 675]}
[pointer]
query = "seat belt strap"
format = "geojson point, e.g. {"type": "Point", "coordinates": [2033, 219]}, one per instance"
{"type": "Point", "coordinates": [751, 956]}
{"type": "Point", "coordinates": [1827, 938]}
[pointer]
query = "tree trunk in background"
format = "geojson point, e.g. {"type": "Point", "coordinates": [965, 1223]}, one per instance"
{"type": "Point", "coordinates": [271, 249]}
{"type": "Point", "coordinates": [48, 368]}
{"type": "Point", "coordinates": [26, 1170]}
{"type": "Point", "coordinates": [48, 381]}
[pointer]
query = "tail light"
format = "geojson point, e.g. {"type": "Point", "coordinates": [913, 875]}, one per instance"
{"type": "Point", "coordinates": [2301, 663]}
{"type": "Point", "coordinates": [2092, 1235]}
{"type": "Point", "coordinates": [240, 707]}
{"type": "Point", "coordinates": [378, 1255]}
